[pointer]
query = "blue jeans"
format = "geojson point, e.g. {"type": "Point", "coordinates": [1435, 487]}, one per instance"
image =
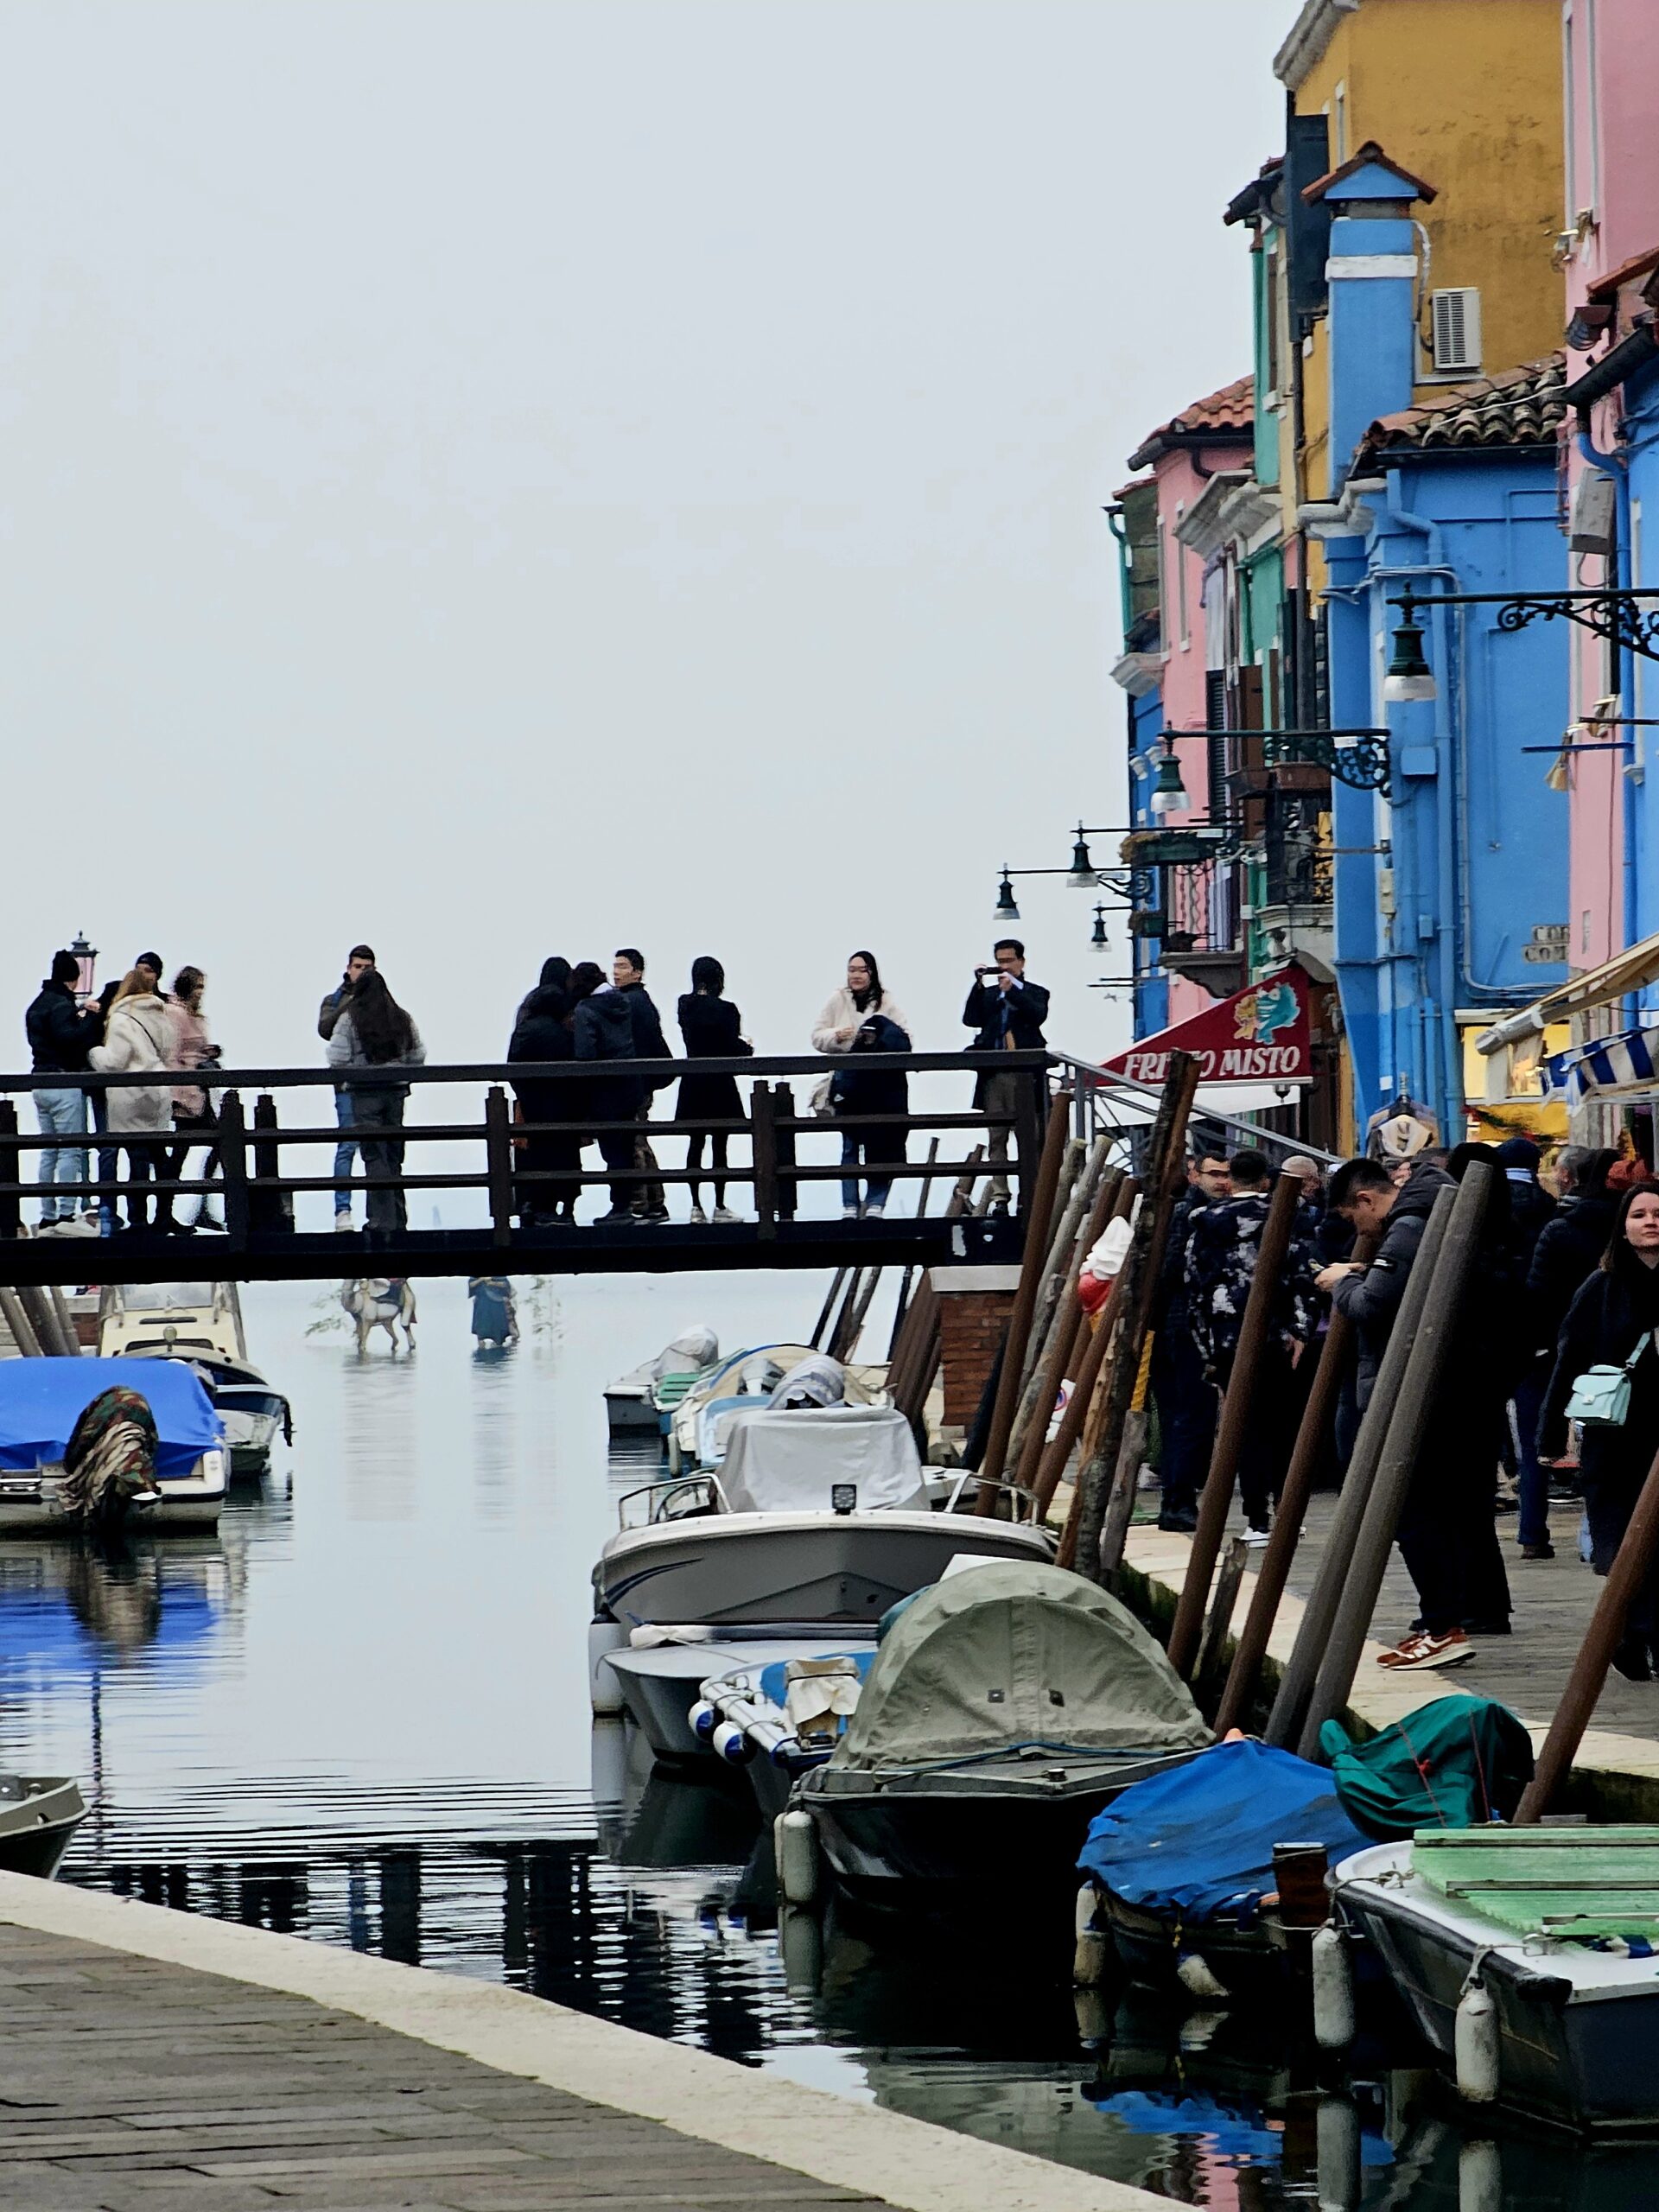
{"type": "Point", "coordinates": [855, 1148]}
{"type": "Point", "coordinates": [1531, 1480]}
{"type": "Point", "coordinates": [61, 1114]}
{"type": "Point", "coordinates": [345, 1151]}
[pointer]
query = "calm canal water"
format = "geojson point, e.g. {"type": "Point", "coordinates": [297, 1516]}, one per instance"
{"type": "Point", "coordinates": [360, 1714]}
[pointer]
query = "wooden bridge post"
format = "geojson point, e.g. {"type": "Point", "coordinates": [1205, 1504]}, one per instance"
{"type": "Point", "coordinates": [269, 1207]}
{"type": "Point", "coordinates": [497, 1150]}
{"type": "Point", "coordinates": [233, 1162]}
{"type": "Point", "coordinates": [784, 1098]}
{"type": "Point", "coordinates": [764, 1111]}
{"type": "Point", "coordinates": [12, 1206]}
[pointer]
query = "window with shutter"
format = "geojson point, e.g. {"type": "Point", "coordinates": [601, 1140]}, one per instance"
{"type": "Point", "coordinates": [1456, 328]}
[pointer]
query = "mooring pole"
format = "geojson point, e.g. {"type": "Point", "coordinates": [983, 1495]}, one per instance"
{"type": "Point", "coordinates": [1408, 1425]}
{"type": "Point", "coordinates": [1037, 1216]}
{"type": "Point", "coordinates": [1274, 1570]}
{"type": "Point", "coordinates": [1296, 1684]}
{"type": "Point", "coordinates": [1114, 1198]}
{"type": "Point", "coordinates": [1084, 1177]}
{"type": "Point", "coordinates": [1217, 1496]}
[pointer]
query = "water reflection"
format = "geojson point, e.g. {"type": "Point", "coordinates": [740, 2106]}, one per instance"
{"type": "Point", "coordinates": [359, 1715]}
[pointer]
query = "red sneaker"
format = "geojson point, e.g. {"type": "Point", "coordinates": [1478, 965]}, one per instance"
{"type": "Point", "coordinates": [1418, 1653]}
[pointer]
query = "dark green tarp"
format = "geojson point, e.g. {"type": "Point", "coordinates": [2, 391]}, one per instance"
{"type": "Point", "coordinates": [1456, 1763]}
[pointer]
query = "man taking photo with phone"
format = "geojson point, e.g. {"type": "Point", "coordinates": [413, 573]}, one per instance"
{"type": "Point", "coordinates": [1009, 1011]}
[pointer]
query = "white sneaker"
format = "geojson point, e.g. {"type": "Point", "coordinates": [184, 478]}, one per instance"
{"type": "Point", "coordinates": [1255, 1538]}
{"type": "Point", "coordinates": [725, 1213]}
{"type": "Point", "coordinates": [873, 1213]}
{"type": "Point", "coordinates": [849, 1213]}
{"type": "Point", "coordinates": [699, 1216]}
{"type": "Point", "coordinates": [343, 1223]}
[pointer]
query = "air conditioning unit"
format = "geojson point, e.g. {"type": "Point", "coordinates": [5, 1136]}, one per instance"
{"type": "Point", "coordinates": [1455, 319]}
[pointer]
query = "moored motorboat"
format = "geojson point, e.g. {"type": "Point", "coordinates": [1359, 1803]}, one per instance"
{"type": "Point", "coordinates": [41, 1401]}
{"type": "Point", "coordinates": [1527, 1959]}
{"type": "Point", "coordinates": [1004, 1708]}
{"type": "Point", "coordinates": [39, 1816]}
{"type": "Point", "coordinates": [637, 1402]}
{"type": "Point", "coordinates": [697, 1429]}
{"type": "Point", "coordinates": [777, 1717]}
{"type": "Point", "coordinates": [253, 1414]}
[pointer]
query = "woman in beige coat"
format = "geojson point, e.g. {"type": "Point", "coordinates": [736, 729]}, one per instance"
{"type": "Point", "coordinates": [138, 1038]}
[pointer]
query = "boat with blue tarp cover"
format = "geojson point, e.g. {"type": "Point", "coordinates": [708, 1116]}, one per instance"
{"type": "Point", "coordinates": [41, 1401]}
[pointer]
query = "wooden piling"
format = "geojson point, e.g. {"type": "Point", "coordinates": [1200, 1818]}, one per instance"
{"type": "Point", "coordinates": [22, 1330]}
{"type": "Point", "coordinates": [1409, 1424]}
{"type": "Point", "coordinates": [1219, 1619]}
{"type": "Point", "coordinates": [1106, 1507]}
{"type": "Point", "coordinates": [1059, 1448]}
{"type": "Point", "coordinates": [1217, 1496]}
{"type": "Point", "coordinates": [1273, 1571]}
{"type": "Point", "coordinates": [830, 1297]}
{"type": "Point", "coordinates": [1068, 1338]}
{"type": "Point", "coordinates": [1059, 1272]}
{"type": "Point", "coordinates": [43, 1323]}
{"type": "Point", "coordinates": [1296, 1683]}
{"type": "Point", "coordinates": [1038, 1226]}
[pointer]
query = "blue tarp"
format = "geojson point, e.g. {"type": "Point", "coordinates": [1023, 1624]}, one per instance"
{"type": "Point", "coordinates": [1199, 1840]}
{"type": "Point", "coordinates": [41, 1401]}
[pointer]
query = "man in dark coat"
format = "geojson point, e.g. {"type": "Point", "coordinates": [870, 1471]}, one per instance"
{"type": "Point", "coordinates": [1531, 1209]}
{"type": "Point", "coordinates": [628, 974]}
{"type": "Point", "coordinates": [543, 1034]}
{"type": "Point", "coordinates": [60, 1038]}
{"type": "Point", "coordinates": [1571, 1242]}
{"type": "Point", "coordinates": [602, 1029]}
{"type": "Point", "coordinates": [1187, 1401]}
{"type": "Point", "coordinates": [1447, 1535]}
{"type": "Point", "coordinates": [1007, 1011]}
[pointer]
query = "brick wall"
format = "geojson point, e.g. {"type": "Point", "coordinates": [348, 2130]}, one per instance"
{"type": "Point", "coordinates": [973, 1307]}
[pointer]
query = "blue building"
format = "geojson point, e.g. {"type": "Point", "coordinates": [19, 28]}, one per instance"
{"type": "Point", "coordinates": [1451, 887]}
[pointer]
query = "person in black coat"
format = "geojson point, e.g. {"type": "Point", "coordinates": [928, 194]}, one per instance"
{"type": "Point", "coordinates": [543, 1033]}
{"type": "Point", "coordinates": [1188, 1402]}
{"type": "Point", "coordinates": [1612, 1316]}
{"type": "Point", "coordinates": [1531, 1209]}
{"type": "Point", "coordinates": [603, 1030]}
{"type": "Point", "coordinates": [712, 1029]}
{"type": "Point", "coordinates": [854, 1091]}
{"type": "Point", "coordinates": [1572, 1241]}
{"type": "Point", "coordinates": [628, 974]}
{"type": "Point", "coordinates": [1007, 1011]}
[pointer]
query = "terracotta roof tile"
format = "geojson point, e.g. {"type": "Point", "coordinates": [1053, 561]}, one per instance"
{"type": "Point", "coordinates": [1226, 415]}
{"type": "Point", "coordinates": [1521, 406]}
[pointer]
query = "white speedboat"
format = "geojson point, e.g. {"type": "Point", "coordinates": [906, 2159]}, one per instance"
{"type": "Point", "coordinates": [698, 1426]}
{"type": "Point", "coordinates": [200, 1322]}
{"type": "Point", "coordinates": [41, 1401]}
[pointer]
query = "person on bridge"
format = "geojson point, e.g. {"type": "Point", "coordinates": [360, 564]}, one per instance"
{"type": "Point", "coordinates": [554, 975]}
{"type": "Point", "coordinates": [1009, 1011]}
{"type": "Point", "coordinates": [856, 1091]}
{"type": "Point", "coordinates": [712, 1029]}
{"type": "Point", "coordinates": [602, 1027]}
{"type": "Point", "coordinates": [358, 962]}
{"type": "Point", "coordinates": [193, 1110]}
{"type": "Point", "coordinates": [860, 997]}
{"type": "Point", "coordinates": [372, 1031]}
{"type": "Point", "coordinates": [60, 1037]}
{"type": "Point", "coordinates": [138, 1038]}
{"type": "Point", "coordinates": [543, 1033]}
{"type": "Point", "coordinates": [628, 974]}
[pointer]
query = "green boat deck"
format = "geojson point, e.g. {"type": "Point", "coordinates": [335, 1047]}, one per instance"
{"type": "Point", "coordinates": [1572, 1883]}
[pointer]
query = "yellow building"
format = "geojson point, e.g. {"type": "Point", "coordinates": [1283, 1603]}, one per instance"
{"type": "Point", "coordinates": [1467, 94]}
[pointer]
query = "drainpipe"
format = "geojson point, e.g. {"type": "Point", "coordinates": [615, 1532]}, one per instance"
{"type": "Point", "coordinates": [1616, 465]}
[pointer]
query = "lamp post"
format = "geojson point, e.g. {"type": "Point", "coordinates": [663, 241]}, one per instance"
{"type": "Point", "coordinates": [1357, 756]}
{"type": "Point", "coordinates": [1612, 611]}
{"type": "Point", "coordinates": [85, 958]}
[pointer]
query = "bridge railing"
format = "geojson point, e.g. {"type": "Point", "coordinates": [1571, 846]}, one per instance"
{"type": "Point", "coordinates": [259, 1188]}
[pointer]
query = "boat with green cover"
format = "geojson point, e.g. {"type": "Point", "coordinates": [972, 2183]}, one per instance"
{"type": "Point", "coordinates": [1545, 1941]}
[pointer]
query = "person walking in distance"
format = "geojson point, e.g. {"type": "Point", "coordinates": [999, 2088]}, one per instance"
{"type": "Point", "coordinates": [372, 1031]}
{"type": "Point", "coordinates": [358, 962]}
{"type": "Point", "coordinates": [193, 1112]}
{"type": "Point", "coordinates": [628, 974]}
{"type": "Point", "coordinates": [845, 1011]}
{"type": "Point", "coordinates": [711, 1028]}
{"type": "Point", "coordinates": [1187, 1401]}
{"type": "Point", "coordinates": [139, 1039]}
{"type": "Point", "coordinates": [1611, 1323]}
{"type": "Point", "coordinates": [60, 1038]}
{"type": "Point", "coordinates": [1224, 1246]}
{"type": "Point", "coordinates": [602, 1027]}
{"type": "Point", "coordinates": [1008, 1010]}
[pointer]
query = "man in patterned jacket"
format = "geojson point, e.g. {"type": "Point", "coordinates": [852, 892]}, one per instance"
{"type": "Point", "coordinates": [1221, 1258]}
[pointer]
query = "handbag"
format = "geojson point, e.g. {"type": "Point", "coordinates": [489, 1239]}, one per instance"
{"type": "Point", "coordinates": [823, 1104]}
{"type": "Point", "coordinates": [1601, 1395]}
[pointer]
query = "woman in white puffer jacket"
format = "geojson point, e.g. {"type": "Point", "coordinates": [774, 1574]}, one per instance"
{"type": "Point", "coordinates": [138, 1037]}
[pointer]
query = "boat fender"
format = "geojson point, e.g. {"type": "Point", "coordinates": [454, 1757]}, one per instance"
{"type": "Point", "coordinates": [1333, 1989]}
{"type": "Point", "coordinates": [1480, 2177]}
{"type": "Point", "coordinates": [1091, 1950]}
{"type": "Point", "coordinates": [1094, 2021]}
{"type": "Point", "coordinates": [729, 1743]}
{"type": "Point", "coordinates": [1195, 1978]}
{"type": "Point", "coordinates": [795, 1844]}
{"type": "Point", "coordinates": [1337, 2150]}
{"type": "Point", "coordinates": [603, 1687]}
{"type": "Point", "coordinates": [703, 1719]}
{"type": "Point", "coordinates": [1475, 2041]}
{"type": "Point", "coordinates": [800, 1941]}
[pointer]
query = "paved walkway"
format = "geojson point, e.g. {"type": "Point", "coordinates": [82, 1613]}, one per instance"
{"type": "Point", "coordinates": [151, 2061]}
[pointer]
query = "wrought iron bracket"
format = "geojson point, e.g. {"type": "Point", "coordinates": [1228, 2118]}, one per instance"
{"type": "Point", "coordinates": [1358, 757]}
{"type": "Point", "coordinates": [1616, 614]}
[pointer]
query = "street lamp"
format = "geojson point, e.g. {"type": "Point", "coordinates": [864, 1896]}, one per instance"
{"type": "Point", "coordinates": [1169, 792]}
{"type": "Point", "coordinates": [85, 958]}
{"type": "Point", "coordinates": [1083, 874]}
{"type": "Point", "coordinates": [1005, 910]}
{"type": "Point", "coordinates": [1098, 936]}
{"type": "Point", "coordinates": [1614, 613]}
{"type": "Point", "coordinates": [1409, 676]}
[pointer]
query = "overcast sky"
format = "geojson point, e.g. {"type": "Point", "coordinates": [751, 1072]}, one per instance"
{"type": "Point", "coordinates": [504, 479]}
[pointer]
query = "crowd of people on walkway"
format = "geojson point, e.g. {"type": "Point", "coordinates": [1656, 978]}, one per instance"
{"type": "Point", "coordinates": [577, 1013]}
{"type": "Point", "coordinates": [1566, 1282]}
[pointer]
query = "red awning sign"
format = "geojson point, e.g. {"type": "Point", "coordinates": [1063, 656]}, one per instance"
{"type": "Point", "coordinates": [1259, 1035]}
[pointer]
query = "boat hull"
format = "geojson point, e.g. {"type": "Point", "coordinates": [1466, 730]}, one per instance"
{"type": "Point", "coordinates": [661, 1682]}
{"type": "Point", "coordinates": [31, 1503]}
{"type": "Point", "coordinates": [251, 1427]}
{"type": "Point", "coordinates": [1577, 2036]}
{"type": "Point", "coordinates": [631, 1413]}
{"type": "Point", "coordinates": [733, 1568]}
{"type": "Point", "coordinates": [36, 1830]}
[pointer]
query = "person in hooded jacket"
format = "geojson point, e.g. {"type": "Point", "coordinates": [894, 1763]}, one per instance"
{"type": "Point", "coordinates": [60, 1038]}
{"type": "Point", "coordinates": [1572, 1241]}
{"type": "Point", "coordinates": [1611, 1321]}
{"type": "Point", "coordinates": [543, 1033]}
{"type": "Point", "coordinates": [603, 1030]}
{"type": "Point", "coordinates": [555, 976]}
{"type": "Point", "coordinates": [138, 1038]}
{"type": "Point", "coordinates": [856, 1090]}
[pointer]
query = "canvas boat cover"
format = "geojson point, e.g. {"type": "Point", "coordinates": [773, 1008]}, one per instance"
{"type": "Point", "coordinates": [1199, 1841]}
{"type": "Point", "coordinates": [41, 1401]}
{"type": "Point", "coordinates": [693, 1349]}
{"type": "Point", "coordinates": [1016, 1654]}
{"type": "Point", "coordinates": [819, 1381]}
{"type": "Point", "coordinates": [1456, 1763]}
{"type": "Point", "coordinates": [789, 1462]}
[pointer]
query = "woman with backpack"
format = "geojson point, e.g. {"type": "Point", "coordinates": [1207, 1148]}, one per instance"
{"type": "Point", "coordinates": [374, 1031]}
